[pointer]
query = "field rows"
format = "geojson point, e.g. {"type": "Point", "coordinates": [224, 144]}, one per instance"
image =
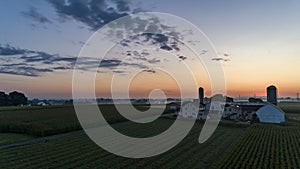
{"type": "Point", "coordinates": [46, 121]}
{"type": "Point", "coordinates": [266, 146]}
{"type": "Point", "coordinates": [78, 151]}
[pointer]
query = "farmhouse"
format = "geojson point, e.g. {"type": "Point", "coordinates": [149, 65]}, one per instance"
{"type": "Point", "coordinates": [240, 111]}
{"type": "Point", "coordinates": [231, 112]}
{"type": "Point", "coordinates": [189, 110]}
{"type": "Point", "coordinates": [173, 106]}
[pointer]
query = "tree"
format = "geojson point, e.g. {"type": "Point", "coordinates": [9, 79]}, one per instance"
{"type": "Point", "coordinates": [255, 100]}
{"type": "Point", "coordinates": [16, 98]}
{"type": "Point", "coordinates": [217, 97]}
{"type": "Point", "coordinates": [3, 99]}
{"type": "Point", "coordinates": [229, 99]}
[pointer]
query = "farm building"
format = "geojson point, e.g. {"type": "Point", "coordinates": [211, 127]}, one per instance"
{"type": "Point", "coordinates": [231, 112]}
{"type": "Point", "coordinates": [239, 111]}
{"type": "Point", "coordinates": [243, 111]}
{"type": "Point", "coordinates": [173, 106]}
{"type": "Point", "coordinates": [189, 109]}
{"type": "Point", "coordinates": [270, 114]}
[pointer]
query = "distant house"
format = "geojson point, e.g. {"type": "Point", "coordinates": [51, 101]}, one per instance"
{"type": "Point", "coordinates": [189, 109]}
{"type": "Point", "coordinates": [173, 106]}
{"type": "Point", "coordinates": [215, 106]}
{"type": "Point", "coordinates": [270, 114]}
{"type": "Point", "coordinates": [41, 104]}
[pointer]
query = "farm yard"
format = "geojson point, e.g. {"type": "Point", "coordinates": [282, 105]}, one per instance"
{"type": "Point", "coordinates": [232, 145]}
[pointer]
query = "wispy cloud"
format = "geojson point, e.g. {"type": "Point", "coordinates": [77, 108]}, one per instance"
{"type": "Point", "coordinates": [34, 63]}
{"type": "Point", "coordinates": [220, 59]}
{"type": "Point", "coordinates": [32, 13]}
{"type": "Point", "coordinates": [149, 71]}
{"type": "Point", "coordinates": [23, 70]}
{"type": "Point", "coordinates": [9, 50]}
{"type": "Point", "coordinates": [225, 57]}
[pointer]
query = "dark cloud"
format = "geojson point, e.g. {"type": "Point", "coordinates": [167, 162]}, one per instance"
{"type": "Point", "coordinates": [93, 13]}
{"type": "Point", "coordinates": [61, 68]}
{"type": "Point", "coordinates": [175, 47]}
{"type": "Point", "coordinates": [153, 61]}
{"type": "Point", "coordinates": [33, 14]}
{"type": "Point", "coordinates": [220, 59]}
{"type": "Point", "coordinates": [203, 52]}
{"type": "Point", "coordinates": [23, 70]}
{"type": "Point", "coordinates": [149, 71]}
{"type": "Point", "coordinates": [8, 50]}
{"type": "Point", "coordinates": [182, 57]}
{"type": "Point", "coordinates": [166, 47]}
{"type": "Point", "coordinates": [14, 64]}
{"type": "Point", "coordinates": [161, 41]}
{"type": "Point", "coordinates": [96, 13]}
{"type": "Point", "coordinates": [110, 63]}
{"type": "Point", "coordinates": [33, 63]}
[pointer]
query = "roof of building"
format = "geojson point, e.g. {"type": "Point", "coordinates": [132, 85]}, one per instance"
{"type": "Point", "coordinates": [270, 114]}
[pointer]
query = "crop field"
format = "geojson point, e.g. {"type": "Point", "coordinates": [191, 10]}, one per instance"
{"type": "Point", "coordinates": [266, 146]}
{"type": "Point", "coordinates": [45, 121]}
{"type": "Point", "coordinates": [232, 145]}
{"type": "Point", "coordinates": [78, 151]}
{"type": "Point", "coordinates": [290, 107]}
{"type": "Point", "coordinates": [7, 138]}
{"type": "Point", "coordinates": [41, 121]}
{"type": "Point", "coordinates": [292, 110]}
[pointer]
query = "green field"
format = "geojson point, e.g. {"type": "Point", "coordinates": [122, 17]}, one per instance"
{"type": "Point", "coordinates": [290, 107]}
{"type": "Point", "coordinates": [292, 110]}
{"type": "Point", "coordinates": [266, 146]}
{"type": "Point", "coordinates": [231, 146]}
{"type": "Point", "coordinates": [50, 120]}
{"type": "Point", "coordinates": [41, 121]}
{"type": "Point", "coordinates": [78, 151]}
{"type": "Point", "coordinates": [7, 138]}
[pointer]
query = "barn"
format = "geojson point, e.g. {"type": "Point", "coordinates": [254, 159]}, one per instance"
{"type": "Point", "coordinates": [270, 113]}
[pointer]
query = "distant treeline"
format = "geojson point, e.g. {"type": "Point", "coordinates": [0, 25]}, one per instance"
{"type": "Point", "coordinates": [12, 99]}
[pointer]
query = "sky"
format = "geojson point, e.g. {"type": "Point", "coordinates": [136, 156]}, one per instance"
{"type": "Point", "coordinates": [257, 43]}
